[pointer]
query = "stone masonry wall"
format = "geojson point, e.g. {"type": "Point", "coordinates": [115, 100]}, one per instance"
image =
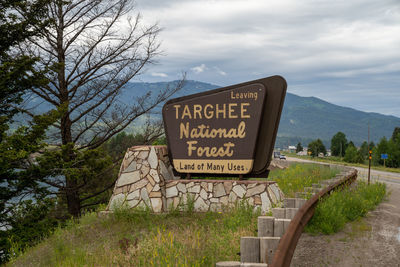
{"type": "Point", "coordinates": [146, 179]}
{"type": "Point", "coordinates": [213, 195]}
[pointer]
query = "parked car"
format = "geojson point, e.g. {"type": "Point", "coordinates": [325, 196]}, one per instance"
{"type": "Point", "coordinates": [277, 154]}
{"type": "Point", "coordinates": [282, 157]}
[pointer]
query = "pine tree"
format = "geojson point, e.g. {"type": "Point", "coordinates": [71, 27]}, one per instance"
{"type": "Point", "coordinates": [338, 144]}
{"type": "Point", "coordinates": [17, 76]}
{"type": "Point", "coordinates": [299, 147]}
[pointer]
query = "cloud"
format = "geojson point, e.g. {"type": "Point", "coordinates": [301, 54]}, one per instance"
{"type": "Point", "coordinates": [220, 72]}
{"type": "Point", "coordinates": [159, 74]}
{"type": "Point", "coordinates": [199, 69]}
{"type": "Point", "coordinates": [328, 49]}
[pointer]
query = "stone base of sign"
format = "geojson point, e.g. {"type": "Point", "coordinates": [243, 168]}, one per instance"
{"type": "Point", "coordinates": [146, 180]}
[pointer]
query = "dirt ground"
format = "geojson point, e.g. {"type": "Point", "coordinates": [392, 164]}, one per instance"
{"type": "Point", "coordinates": [370, 241]}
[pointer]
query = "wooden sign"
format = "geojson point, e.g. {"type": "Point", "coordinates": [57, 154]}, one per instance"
{"type": "Point", "coordinates": [220, 131]}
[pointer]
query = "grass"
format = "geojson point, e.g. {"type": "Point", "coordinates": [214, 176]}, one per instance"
{"type": "Point", "coordinates": [134, 237]}
{"type": "Point", "coordinates": [297, 176]}
{"type": "Point", "coordinates": [347, 205]}
{"type": "Point", "coordinates": [357, 228]}
{"type": "Point", "coordinates": [138, 238]}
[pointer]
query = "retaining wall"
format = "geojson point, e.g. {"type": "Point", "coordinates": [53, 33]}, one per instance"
{"type": "Point", "coordinates": [146, 179]}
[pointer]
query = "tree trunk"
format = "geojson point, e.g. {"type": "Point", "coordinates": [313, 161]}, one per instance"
{"type": "Point", "coordinates": [71, 191]}
{"type": "Point", "coordinates": [73, 201]}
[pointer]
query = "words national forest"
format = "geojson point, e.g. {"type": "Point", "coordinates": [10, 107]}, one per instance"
{"type": "Point", "coordinates": [217, 133]}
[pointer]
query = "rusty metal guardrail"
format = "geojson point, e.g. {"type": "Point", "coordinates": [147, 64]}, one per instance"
{"type": "Point", "coordinates": [285, 250]}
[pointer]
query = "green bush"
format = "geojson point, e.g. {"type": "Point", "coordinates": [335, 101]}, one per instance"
{"type": "Point", "coordinates": [29, 223]}
{"type": "Point", "coordinates": [333, 212]}
{"type": "Point", "coordinates": [297, 176]}
{"type": "Point", "coordinates": [353, 155]}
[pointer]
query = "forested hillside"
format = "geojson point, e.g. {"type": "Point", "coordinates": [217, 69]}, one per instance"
{"type": "Point", "coordinates": [303, 118]}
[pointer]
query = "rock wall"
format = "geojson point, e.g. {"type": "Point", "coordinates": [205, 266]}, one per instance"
{"type": "Point", "coordinates": [146, 179]}
{"type": "Point", "coordinates": [214, 195]}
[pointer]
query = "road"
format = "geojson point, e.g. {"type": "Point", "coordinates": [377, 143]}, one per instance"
{"type": "Point", "coordinates": [390, 178]}
{"type": "Point", "coordinates": [372, 241]}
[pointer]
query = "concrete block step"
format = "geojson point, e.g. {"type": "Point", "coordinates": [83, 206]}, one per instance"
{"type": "Point", "coordinates": [289, 202]}
{"type": "Point", "coordinates": [300, 195]}
{"type": "Point", "coordinates": [249, 264]}
{"type": "Point", "coordinates": [228, 264]}
{"type": "Point", "coordinates": [311, 190]}
{"type": "Point", "coordinates": [325, 183]}
{"type": "Point", "coordinates": [290, 213]}
{"type": "Point", "coordinates": [278, 213]}
{"type": "Point", "coordinates": [239, 264]}
{"type": "Point", "coordinates": [316, 185]}
{"type": "Point", "coordinates": [300, 202]}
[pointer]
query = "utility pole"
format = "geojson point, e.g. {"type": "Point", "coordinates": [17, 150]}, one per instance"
{"type": "Point", "coordinates": [369, 158]}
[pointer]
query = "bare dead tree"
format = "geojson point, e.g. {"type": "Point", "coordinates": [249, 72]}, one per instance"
{"type": "Point", "coordinates": [91, 51]}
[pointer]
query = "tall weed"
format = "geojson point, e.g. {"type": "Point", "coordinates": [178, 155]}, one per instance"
{"type": "Point", "coordinates": [136, 237]}
{"type": "Point", "coordinates": [297, 176]}
{"type": "Point", "coordinates": [333, 212]}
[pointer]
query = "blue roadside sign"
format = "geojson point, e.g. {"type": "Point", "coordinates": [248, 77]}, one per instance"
{"type": "Point", "coordinates": [384, 156]}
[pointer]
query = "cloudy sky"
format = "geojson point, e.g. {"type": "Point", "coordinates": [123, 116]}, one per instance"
{"type": "Point", "coordinates": [346, 52]}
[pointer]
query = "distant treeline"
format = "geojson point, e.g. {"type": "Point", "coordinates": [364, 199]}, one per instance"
{"type": "Point", "coordinates": [385, 152]}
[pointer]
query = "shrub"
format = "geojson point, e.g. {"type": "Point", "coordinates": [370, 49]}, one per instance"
{"type": "Point", "coordinates": [298, 176]}
{"type": "Point", "coordinates": [333, 212]}
{"type": "Point", "coordinates": [353, 155]}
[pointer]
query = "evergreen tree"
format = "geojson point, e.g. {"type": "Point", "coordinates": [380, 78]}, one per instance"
{"type": "Point", "coordinates": [299, 147]}
{"type": "Point", "coordinates": [396, 133]}
{"type": "Point", "coordinates": [338, 144]}
{"type": "Point", "coordinates": [371, 145]}
{"type": "Point", "coordinates": [351, 144]}
{"type": "Point", "coordinates": [364, 150]}
{"type": "Point", "coordinates": [17, 75]}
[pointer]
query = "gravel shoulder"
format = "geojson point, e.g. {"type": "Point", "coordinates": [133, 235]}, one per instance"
{"type": "Point", "coordinates": [371, 241]}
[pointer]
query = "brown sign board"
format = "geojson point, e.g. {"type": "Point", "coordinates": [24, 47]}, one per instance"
{"type": "Point", "coordinates": [227, 131]}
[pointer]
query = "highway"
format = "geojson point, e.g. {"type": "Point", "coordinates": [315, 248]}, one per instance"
{"type": "Point", "coordinates": [390, 178]}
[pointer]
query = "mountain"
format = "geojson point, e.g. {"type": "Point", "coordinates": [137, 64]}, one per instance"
{"type": "Point", "coordinates": [305, 118]}
{"type": "Point", "coordinates": [314, 118]}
